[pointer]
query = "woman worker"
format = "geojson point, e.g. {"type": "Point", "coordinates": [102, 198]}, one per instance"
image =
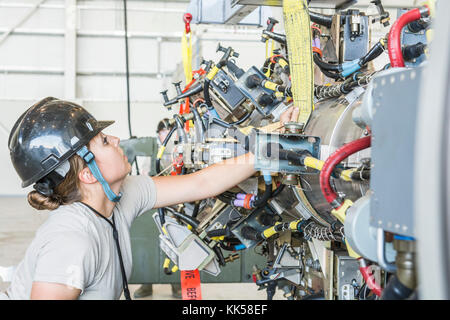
{"type": "Point", "coordinates": [83, 250]}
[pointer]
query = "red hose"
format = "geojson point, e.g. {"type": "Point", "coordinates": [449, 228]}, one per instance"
{"type": "Point", "coordinates": [394, 45]}
{"type": "Point", "coordinates": [333, 160]}
{"type": "Point", "coordinates": [369, 278]}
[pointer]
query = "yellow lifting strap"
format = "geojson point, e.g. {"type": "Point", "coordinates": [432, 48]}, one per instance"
{"type": "Point", "coordinates": [298, 37]}
{"type": "Point", "coordinates": [186, 48]}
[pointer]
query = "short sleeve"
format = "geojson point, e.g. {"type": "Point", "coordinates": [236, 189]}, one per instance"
{"type": "Point", "coordinates": [138, 196]}
{"type": "Point", "coordinates": [66, 258]}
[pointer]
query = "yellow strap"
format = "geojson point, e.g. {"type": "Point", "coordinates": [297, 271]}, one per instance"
{"type": "Point", "coordinates": [174, 269]}
{"type": "Point", "coordinates": [267, 49]}
{"type": "Point", "coordinates": [272, 48]}
{"type": "Point", "coordinates": [186, 52]}
{"type": "Point", "coordinates": [298, 36]}
{"type": "Point", "coordinates": [314, 163]}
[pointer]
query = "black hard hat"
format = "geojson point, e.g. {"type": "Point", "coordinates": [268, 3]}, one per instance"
{"type": "Point", "coordinates": [48, 134]}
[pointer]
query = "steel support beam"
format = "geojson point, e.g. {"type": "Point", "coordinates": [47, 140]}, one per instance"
{"type": "Point", "coordinates": [21, 20]}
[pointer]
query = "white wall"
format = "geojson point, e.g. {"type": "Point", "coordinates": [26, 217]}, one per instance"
{"type": "Point", "coordinates": [35, 57]}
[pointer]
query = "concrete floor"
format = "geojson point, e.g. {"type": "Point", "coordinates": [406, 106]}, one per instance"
{"type": "Point", "coordinates": [19, 222]}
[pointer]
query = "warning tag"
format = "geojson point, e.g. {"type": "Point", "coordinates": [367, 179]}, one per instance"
{"type": "Point", "coordinates": [190, 285]}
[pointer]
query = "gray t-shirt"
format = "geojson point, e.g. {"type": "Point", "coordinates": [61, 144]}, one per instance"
{"type": "Point", "coordinates": [76, 247]}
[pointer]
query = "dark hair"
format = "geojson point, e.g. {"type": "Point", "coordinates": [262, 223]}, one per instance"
{"type": "Point", "coordinates": [66, 192]}
{"type": "Point", "coordinates": [163, 124]}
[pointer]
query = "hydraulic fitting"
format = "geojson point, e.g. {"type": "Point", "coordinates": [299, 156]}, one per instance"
{"type": "Point", "coordinates": [405, 261]}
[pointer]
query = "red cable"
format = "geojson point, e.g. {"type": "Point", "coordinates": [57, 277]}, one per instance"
{"type": "Point", "coordinates": [333, 160]}
{"type": "Point", "coordinates": [369, 278]}
{"type": "Point", "coordinates": [317, 28]}
{"type": "Point", "coordinates": [394, 45]}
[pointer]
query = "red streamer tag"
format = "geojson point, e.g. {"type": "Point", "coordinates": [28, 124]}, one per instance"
{"type": "Point", "coordinates": [190, 285]}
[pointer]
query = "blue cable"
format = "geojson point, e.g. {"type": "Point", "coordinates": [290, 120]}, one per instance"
{"type": "Point", "coordinates": [267, 177]}
{"type": "Point", "coordinates": [399, 237]}
{"type": "Point", "coordinates": [349, 67]}
{"type": "Point", "coordinates": [88, 157]}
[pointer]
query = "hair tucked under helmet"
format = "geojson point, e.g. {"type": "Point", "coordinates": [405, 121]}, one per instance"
{"type": "Point", "coordinates": [47, 146]}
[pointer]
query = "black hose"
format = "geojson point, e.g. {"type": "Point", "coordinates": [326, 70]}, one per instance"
{"type": "Point", "coordinates": [218, 233]}
{"type": "Point", "coordinates": [182, 137]}
{"type": "Point", "coordinates": [373, 53]}
{"type": "Point", "coordinates": [190, 92]}
{"type": "Point", "coordinates": [206, 94]}
{"type": "Point", "coordinates": [324, 65]}
{"type": "Point", "coordinates": [196, 209]}
{"type": "Point", "coordinates": [161, 215]}
{"type": "Point", "coordinates": [227, 247]}
{"type": "Point", "coordinates": [330, 74]}
{"type": "Point", "coordinates": [199, 126]}
{"type": "Point", "coordinates": [278, 190]}
{"type": "Point", "coordinates": [219, 255]}
{"type": "Point", "coordinates": [322, 19]}
{"type": "Point", "coordinates": [227, 125]}
{"type": "Point", "coordinates": [395, 290]}
{"type": "Point", "coordinates": [187, 219]}
{"type": "Point", "coordinates": [127, 66]}
{"type": "Point", "coordinates": [260, 201]}
{"type": "Point", "coordinates": [164, 144]}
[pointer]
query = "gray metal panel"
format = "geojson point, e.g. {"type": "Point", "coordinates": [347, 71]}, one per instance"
{"type": "Point", "coordinates": [223, 12]}
{"type": "Point", "coordinates": [409, 38]}
{"type": "Point", "coordinates": [355, 47]}
{"type": "Point", "coordinates": [431, 167]}
{"type": "Point", "coordinates": [393, 135]}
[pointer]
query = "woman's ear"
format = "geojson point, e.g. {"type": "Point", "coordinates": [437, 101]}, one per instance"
{"type": "Point", "coordinates": [86, 176]}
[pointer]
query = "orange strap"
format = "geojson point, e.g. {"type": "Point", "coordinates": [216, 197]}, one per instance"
{"type": "Point", "coordinates": [190, 285]}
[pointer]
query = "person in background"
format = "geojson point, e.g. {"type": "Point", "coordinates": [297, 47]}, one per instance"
{"type": "Point", "coordinates": [146, 289]}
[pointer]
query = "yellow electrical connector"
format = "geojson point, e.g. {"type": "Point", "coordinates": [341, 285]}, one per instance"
{"type": "Point", "coordinates": [270, 231]}
{"type": "Point", "coordinates": [160, 152]}
{"type": "Point", "coordinates": [346, 174]}
{"type": "Point", "coordinates": [340, 213]}
{"type": "Point", "coordinates": [212, 73]}
{"type": "Point", "coordinates": [270, 85]}
{"type": "Point", "coordinates": [314, 163]}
